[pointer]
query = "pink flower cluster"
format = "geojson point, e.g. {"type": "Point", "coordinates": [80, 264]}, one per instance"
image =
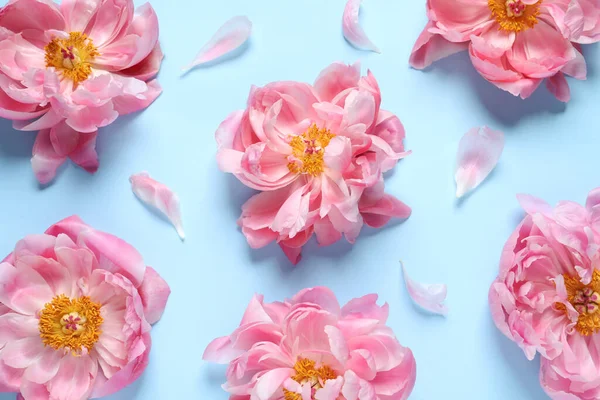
{"type": "Point", "coordinates": [75, 311]}
{"type": "Point", "coordinates": [317, 153]}
{"type": "Point", "coordinates": [514, 44]}
{"type": "Point", "coordinates": [68, 70]}
{"type": "Point", "coordinates": [547, 295]}
{"type": "Point", "coordinates": [309, 348]}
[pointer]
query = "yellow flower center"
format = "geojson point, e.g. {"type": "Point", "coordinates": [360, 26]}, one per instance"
{"type": "Point", "coordinates": [70, 323]}
{"type": "Point", "coordinates": [514, 15]}
{"type": "Point", "coordinates": [72, 56]}
{"type": "Point", "coordinates": [306, 372]}
{"type": "Point", "coordinates": [586, 300]}
{"type": "Point", "coordinates": [308, 150]}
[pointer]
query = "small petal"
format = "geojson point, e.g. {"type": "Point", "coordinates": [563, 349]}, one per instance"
{"type": "Point", "coordinates": [428, 296]}
{"type": "Point", "coordinates": [352, 30]}
{"type": "Point", "coordinates": [558, 86]}
{"type": "Point", "coordinates": [478, 153]}
{"type": "Point", "coordinates": [159, 196]}
{"type": "Point", "coordinates": [231, 35]}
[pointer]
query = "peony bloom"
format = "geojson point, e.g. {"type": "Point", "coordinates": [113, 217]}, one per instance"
{"type": "Point", "coordinates": [514, 44]}
{"type": "Point", "coordinates": [547, 295]}
{"type": "Point", "coordinates": [318, 154]}
{"type": "Point", "coordinates": [72, 69]}
{"type": "Point", "coordinates": [307, 348]}
{"type": "Point", "coordinates": [75, 311]}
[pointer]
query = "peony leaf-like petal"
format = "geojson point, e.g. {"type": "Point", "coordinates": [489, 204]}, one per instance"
{"type": "Point", "coordinates": [159, 196]}
{"type": "Point", "coordinates": [478, 153]}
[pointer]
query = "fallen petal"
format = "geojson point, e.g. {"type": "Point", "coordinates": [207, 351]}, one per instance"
{"type": "Point", "coordinates": [478, 153]}
{"type": "Point", "coordinates": [352, 30]}
{"type": "Point", "coordinates": [428, 296]}
{"type": "Point", "coordinates": [231, 35]}
{"type": "Point", "coordinates": [159, 196]}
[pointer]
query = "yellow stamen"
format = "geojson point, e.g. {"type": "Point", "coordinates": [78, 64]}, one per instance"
{"type": "Point", "coordinates": [306, 372]}
{"type": "Point", "coordinates": [308, 150]}
{"type": "Point", "coordinates": [72, 56]}
{"type": "Point", "coordinates": [70, 323]}
{"type": "Point", "coordinates": [514, 15]}
{"type": "Point", "coordinates": [586, 300]}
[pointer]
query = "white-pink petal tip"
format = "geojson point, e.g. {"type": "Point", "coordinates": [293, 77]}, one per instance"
{"type": "Point", "coordinates": [478, 153]}
{"type": "Point", "coordinates": [158, 196]}
{"type": "Point", "coordinates": [231, 35]}
{"type": "Point", "coordinates": [428, 296]}
{"type": "Point", "coordinates": [352, 30]}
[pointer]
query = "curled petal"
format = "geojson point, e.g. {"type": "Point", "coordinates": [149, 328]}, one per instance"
{"type": "Point", "coordinates": [428, 296]}
{"type": "Point", "coordinates": [159, 196]}
{"type": "Point", "coordinates": [352, 30]}
{"type": "Point", "coordinates": [229, 37]}
{"type": "Point", "coordinates": [558, 86]}
{"type": "Point", "coordinates": [478, 153]}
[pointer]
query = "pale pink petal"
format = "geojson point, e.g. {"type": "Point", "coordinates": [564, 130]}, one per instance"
{"type": "Point", "coordinates": [533, 205]}
{"type": "Point", "coordinates": [428, 296]}
{"type": "Point", "coordinates": [337, 342]}
{"type": "Point", "coordinates": [331, 390]}
{"type": "Point", "coordinates": [159, 196]}
{"type": "Point", "coordinates": [431, 47]}
{"type": "Point", "coordinates": [45, 160]}
{"type": "Point", "coordinates": [478, 153]}
{"type": "Point", "coordinates": [268, 384]}
{"type": "Point", "coordinates": [231, 35]}
{"type": "Point", "coordinates": [558, 86]}
{"type": "Point", "coordinates": [352, 30]}
{"type": "Point", "coordinates": [593, 199]}
{"type": "Point", "coordinates": [154, 293]}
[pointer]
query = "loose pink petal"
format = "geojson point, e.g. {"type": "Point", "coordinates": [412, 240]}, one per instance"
{"type": "Point", "coordinates": [352, 30]}
{"type": "Point", "coordinates": [231, 35]}
{"type": "Point", "coordinates": [428, 296]}
{"type": "Point", "coordinates": [478, 153]}
{"type": "Point", "coordinates": [159, 196]}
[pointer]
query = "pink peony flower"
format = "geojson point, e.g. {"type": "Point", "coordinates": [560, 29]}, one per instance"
{"type": "Point", "coordinates": [307, 348]}
{"type": "Point", "coordinates": [514, 44]}
{"type": "Point", "coordinates": [547, 295]}
{"type": "Point", "coordinates": [317, 153]}
{"type": "Point", "coordinates": [75, 311]}
{"type": "Point", "coordinates": [75, 68]}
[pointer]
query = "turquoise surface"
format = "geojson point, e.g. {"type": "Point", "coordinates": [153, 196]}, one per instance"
{"type": "Point", "coordinates": [551, 151]}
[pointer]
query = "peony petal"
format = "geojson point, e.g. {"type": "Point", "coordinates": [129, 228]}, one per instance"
{"type": "Point", "coordinates": [267, 385]}
{"type": "Point", "coordinates": [155, 293]}
{"type": "Point", "coordinates": [431, 47]}
{"type": "Point", "coordinates": [478, 153]}
{"type": "Point", "coordinates": [45, 160]}
{"type": "Point", "coordinates": [558, 86]}
{"type": "Point", "coordinates": [159, 196]}
{"type": "Point", "coordinates": [428, 296]}
{"type": "Point", "coordinates": [533, 205]}
{"type": "Point", "coordinates": [352, 30]}
{"type": "Point", "coordinates": [231, 35]}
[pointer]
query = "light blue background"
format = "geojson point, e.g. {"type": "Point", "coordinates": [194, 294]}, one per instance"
{"type": "Point", "coordinates": [551, 151]}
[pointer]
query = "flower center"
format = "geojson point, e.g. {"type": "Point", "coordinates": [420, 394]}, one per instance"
{"type": "Point", "coordinates": [308, 150]}
{"type": "Point", "coordinates": [514, 15]}
{"type": "Point", "coordinates": [306, 372]}
{"type": "Point", "coordinates": [586, 300]}
{"type": "Point", "coordinates": [70, 323]}
{"type": "Point", "coordinates": [72, 56]}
